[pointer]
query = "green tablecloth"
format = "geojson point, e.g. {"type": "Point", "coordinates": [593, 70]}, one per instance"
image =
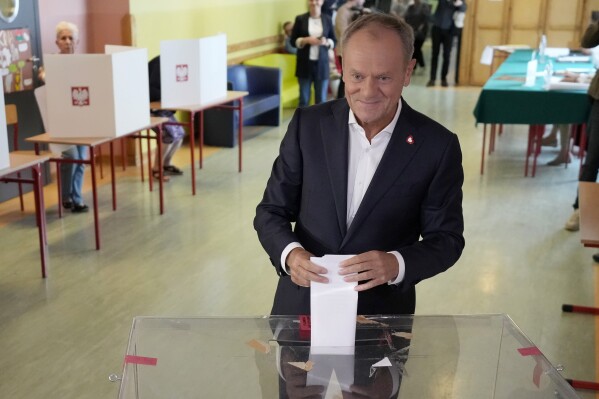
{"type": "Point", "coordinates": [510, 102]}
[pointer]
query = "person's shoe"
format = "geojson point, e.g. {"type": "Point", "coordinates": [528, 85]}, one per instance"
{"type": "Point", "coordinates": [67, 204]}
{"type": "Point", "coordinates": [573, 224]}
{"type": "Point", "coordinates": [549, 141]}
{"type": "Point", "coordinates": [80, 208]}
{"type": "Point", "coordinates": [444, 83]}
{"type": "Point", "coordinates": [430, 83]}
{"type": "Point", "coordinates": [156, 175]}
{"type": "Point", "coordinates": [172, 170]}
{"type": "Point", "coordinates": [596, 257]}
{"type": "Point", "coordinates": [559, 160]}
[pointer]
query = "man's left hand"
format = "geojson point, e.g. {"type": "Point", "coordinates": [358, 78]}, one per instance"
{"type": "Point", "coordinates": [374, 267]}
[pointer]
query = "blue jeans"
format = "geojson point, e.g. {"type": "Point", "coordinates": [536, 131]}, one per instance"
{"type": "Point", "coordinates": [71, 175]}
{"type": "Point", "coordinates": [320, 90]}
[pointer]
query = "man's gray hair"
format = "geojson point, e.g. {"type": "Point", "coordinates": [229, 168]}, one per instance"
{"type": "Point", "coordinates": [397, 25]}
{"type": "Point", "coordinates": [64, 25]}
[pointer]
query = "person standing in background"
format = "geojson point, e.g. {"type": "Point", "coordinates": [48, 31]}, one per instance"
{"type": "Point", "coordinates": [442, 35]}
{"type": "Point", "coordinates": [417, 16]}
{"type": "Point", "coordinates": [313, 36]}
{"type": "Point", "coordinates": [71, 174]}
{"type": "Point", "coordinates": [287, 28]}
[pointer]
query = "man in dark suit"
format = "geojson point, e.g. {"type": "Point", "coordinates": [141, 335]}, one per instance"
{"type": "Point", "coordinates": [365, 176]}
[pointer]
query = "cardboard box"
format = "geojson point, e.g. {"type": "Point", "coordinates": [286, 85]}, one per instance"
{"type": "Point", "coordinates": [4, 158]}
{"type": "Point", "coordinates": [97, 95]}
{"type": "Point", "coordinates": [193, 71]}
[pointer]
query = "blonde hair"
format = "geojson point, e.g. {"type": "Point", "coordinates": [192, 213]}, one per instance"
{"type": "Point", "coordinates": [64, 25]}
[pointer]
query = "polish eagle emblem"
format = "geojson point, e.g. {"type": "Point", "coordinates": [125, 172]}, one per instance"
{"type": "Point", "coordinates": [182, 73]}
{"type": "Point", "coordinates": [80, 96]}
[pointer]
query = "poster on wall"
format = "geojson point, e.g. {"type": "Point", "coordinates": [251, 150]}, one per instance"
{"type": "Point", "coordinates": [15, 55]}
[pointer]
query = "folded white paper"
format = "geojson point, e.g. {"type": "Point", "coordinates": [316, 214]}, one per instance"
{"type": "Point", "coordinates": [333, 310]}
{"type": "Point", "coordinates": [531, 73]}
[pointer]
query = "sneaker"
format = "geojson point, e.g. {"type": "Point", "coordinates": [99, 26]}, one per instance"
{"type": "Point", "coordinates": [573, 224]}
{"type": "Point", "coordinates": [430, 83]}
{"type": "Point", "coordinates": [172, 170]}
{"type": "Point", "coordinates": [67, 204]}
{"type": "Point", "coordinates": [80, 208]}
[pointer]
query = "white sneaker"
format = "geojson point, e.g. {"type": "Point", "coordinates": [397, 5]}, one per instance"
{"type": "Point", "coordinates": [573, 224]}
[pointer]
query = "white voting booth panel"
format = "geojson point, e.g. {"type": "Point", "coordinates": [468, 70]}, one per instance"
{"type": "Point", "coordinates": [4, 158]}
{"type": "Point", "coordinates": [97, 95]}
{"type": "Point", "coordinates": [193, 71]}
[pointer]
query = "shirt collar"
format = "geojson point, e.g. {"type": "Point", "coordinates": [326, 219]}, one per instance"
{"type": "Point", "coordinates": [388, 129]}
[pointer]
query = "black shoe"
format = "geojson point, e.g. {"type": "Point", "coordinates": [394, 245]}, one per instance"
{"type": "Point", "coordinates": [596, 257]}
{"type": "Point", "coordinates": [67, 204]}
{"type": "Point", "coordinates": [430, 83]}
{"type": "Point", "coordinates": [444, 83]}
{"type": "Point", "coordinates": [80, 208]}
{"type": "Point", "coordinates": [172, 170]}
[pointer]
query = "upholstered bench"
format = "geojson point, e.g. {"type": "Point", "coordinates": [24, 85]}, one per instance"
{"type": "Point", "coordinates": [286, 63]}
{"type": "Point", "coordinates": [262, 106]}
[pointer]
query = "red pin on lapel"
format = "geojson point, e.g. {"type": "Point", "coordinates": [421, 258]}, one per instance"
{"type": "Point", "coordinates": [410, 139]}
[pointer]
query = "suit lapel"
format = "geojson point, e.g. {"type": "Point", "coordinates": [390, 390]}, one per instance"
{"type": "Point", "coordinates": [335, 138]}
{"type": "Point", "coordinates": [404, 143]}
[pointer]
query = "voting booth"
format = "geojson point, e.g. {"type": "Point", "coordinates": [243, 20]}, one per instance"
{"type": "Point", "coordinates": [97, 95]}
{"type": "Point", "coordinates": [4, 158]}
{"type": "Point", "coordinates": [466, 357]}
{"type": "Point", "coordinates": [193, 71]}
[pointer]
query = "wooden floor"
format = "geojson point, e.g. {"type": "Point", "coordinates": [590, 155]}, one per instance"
{"type": "Point", "coordinates": [61, 337]}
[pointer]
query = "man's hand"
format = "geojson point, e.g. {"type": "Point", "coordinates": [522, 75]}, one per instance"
{"type": "Point", "coordinates": [303, 271]}
{"type": "Point", "coordinates": [377, 266]}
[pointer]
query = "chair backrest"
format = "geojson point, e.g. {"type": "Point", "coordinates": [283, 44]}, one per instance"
{"type": "Point", "coordinates": [12, 119]}
{"type": "Point", "coordinates": [236, 74]}
{"type": "Point", "coordinates": [11, 114]}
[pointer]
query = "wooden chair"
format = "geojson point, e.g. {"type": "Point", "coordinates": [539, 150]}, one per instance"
{"type": "Point", "coordinates": [12, 119]}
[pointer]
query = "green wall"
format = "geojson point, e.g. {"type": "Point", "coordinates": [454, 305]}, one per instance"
{"type": "Point", "coordinates": [241, 20]}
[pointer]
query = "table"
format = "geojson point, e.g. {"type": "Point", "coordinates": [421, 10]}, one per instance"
{"type": "Point", "coordinates": [479, 356]}
{"type": "Point", "coordinates": [19, 161]}
{"type": "Point", "coordinates": [505, 100]}
{"type": "Point", "coordinates": [94, 143]}
{"type": "Point", "coordinates": [193, 109]}
{"type": "Point", "coordinates": [588, 194]}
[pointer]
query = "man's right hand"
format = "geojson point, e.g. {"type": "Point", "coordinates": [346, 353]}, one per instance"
{"type": "Point", "coordinates": [302, 271]}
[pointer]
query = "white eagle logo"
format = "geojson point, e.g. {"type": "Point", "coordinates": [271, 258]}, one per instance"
{"type": "Point", "coordinates": [182, 73]}
{"type": "Point", "coordinates": [80, 96]}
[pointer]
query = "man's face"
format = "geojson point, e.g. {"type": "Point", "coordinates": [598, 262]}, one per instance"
{"type": "Point", "coordinates": [66, 41]}
{"type": "Point", "coordinates": [375, 72]}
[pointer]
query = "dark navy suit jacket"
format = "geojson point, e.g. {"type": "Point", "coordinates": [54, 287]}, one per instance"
{"type": "Point", "coordinates": [413, 204]}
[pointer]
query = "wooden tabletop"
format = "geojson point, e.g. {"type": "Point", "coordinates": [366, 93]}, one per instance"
{"type": "Point", "coordinates": [231, 96]}
{"type": "Point", "coordinates": [21, 160]}
{"type": "Point", "coordinates": [45, 138]}
{"type": "Point", "coordinates": [588, 196]}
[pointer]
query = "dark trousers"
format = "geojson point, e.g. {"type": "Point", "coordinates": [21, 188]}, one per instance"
{"type": "Point", "coordinates": [591, 161]}
{"type": "Point", "coordinates": [441, 37]}
{"type": "Point", "coordinates": [418, 52]}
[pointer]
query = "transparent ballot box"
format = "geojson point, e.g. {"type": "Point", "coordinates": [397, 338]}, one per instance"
{"type": "Point", "coordinates": [482, 356]}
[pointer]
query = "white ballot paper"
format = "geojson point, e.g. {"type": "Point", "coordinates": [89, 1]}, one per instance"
{"type": "Point", "coordinates": [333, 310]}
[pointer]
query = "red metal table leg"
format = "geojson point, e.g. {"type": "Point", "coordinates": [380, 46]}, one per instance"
{"type": "Point", "coordinates": [201, 139]}
{"type": "Point", "coordinates": [149, 153]}
{"type": "Point", "coordinates": [482, 157]}
{"type": "Point", "coordinates": [192, 149]}
{"type": "Point", "coordinates": [40, 215]}
{"type": "Point", "coordinates": [112, 176]}
{"type": "Point", "coordinates": [95, 197]}
{"type": "Point", "coordinates": [160, 167]}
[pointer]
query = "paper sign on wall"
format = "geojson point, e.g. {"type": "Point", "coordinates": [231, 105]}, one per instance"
{"type": "Point", "coordinates": [193, 71]}
{"type": "Point", "coordinates": [4, 158]}
{"type": "Point", "coordinates": [97, 95]}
